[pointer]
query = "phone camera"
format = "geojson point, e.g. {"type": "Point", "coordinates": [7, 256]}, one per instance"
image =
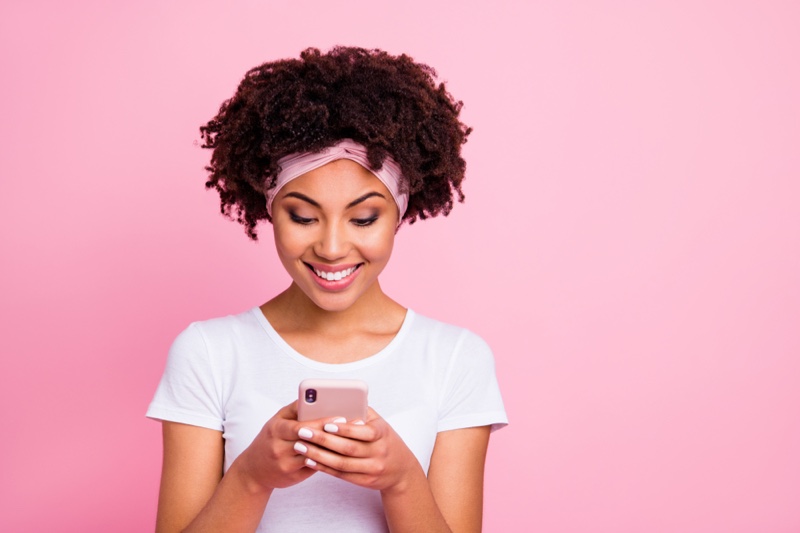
{"type": "Point", "coordinates": [311, 395]}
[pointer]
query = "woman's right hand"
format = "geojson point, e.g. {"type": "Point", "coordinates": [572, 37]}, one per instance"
{"type": "Point", "coordinates": [194, 494]}
{"type": "Point", "coordinates": [271, 462]}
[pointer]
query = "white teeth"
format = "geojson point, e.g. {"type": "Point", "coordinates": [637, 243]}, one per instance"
{"type": "Point", "coordinates": [335, 276]}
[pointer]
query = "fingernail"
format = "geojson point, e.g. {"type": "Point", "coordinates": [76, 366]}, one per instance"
{"type": "Point", "coordinates": [305, 433]}
{"type": "Point", "coordinates": [300, 447]}
{"type": "Point", "coordinates": [331, 428]}
{"type": "Point", "coordinates": [311, 462]}
{"type": "Point", "coordinates": [359, 422]}
{"type": "Point", "coordinates": [339, 420]}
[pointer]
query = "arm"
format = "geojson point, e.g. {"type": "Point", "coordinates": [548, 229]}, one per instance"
{"type": "Point", "coordinates": [453, 489]}
{"type": "Point", "coordinates": [193, 489]}
{"type": "Point", "coordinates": [374, 456]}
{"type": "Point", "coordinates": [196, 497]}
{"type": "Point", "coordinates": [456, 476]}
{"type": "Point", "coordinates": [191, 470]}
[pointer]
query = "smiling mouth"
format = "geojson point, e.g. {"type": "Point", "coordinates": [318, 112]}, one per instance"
{"type": "Point", "coordinates": [334, 276]}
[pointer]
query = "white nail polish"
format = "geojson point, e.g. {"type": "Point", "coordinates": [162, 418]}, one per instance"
{"type": "Point", "coordinates": [331, 428]}
{"type": "Point", "coordinates": [311, 462]}
{"type": "Point", "coordinates": [305, 433]}
{"type": "Point", "coordinates": [339, 420]}
{"type": "Point", "coordinates": [300, 447]}
{"type": "Point", "coordinates": [359, 422]}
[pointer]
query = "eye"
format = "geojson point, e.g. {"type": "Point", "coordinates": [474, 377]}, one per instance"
{"type": "Point", "coordinates": [365, 221]}
{"type": "Point", "coordinates": [300, 220]}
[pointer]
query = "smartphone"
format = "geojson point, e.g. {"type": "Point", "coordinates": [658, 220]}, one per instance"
{"type": "Point", "coordinates": [322, 398]}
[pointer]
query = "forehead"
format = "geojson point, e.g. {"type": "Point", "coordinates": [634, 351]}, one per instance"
{"type": "Point", "coordinates": [340, 179]}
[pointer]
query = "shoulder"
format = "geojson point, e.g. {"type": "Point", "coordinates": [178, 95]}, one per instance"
{"type": "Point", "coordinates": [448, 336]}
{"type": "Point", "coordinates": [468, 392]}
{"type": "Point", "coordinates": [221, 328]}
{"type": "Point", "coordinates": [218, 339]}
{"type": "Point", "coordinates": [239, 323]}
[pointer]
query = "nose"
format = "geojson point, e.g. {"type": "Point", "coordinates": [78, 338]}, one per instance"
{"type": "Point", "coordinates": [332, 243]}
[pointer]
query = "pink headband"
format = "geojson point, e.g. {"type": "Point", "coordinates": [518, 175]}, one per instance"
{"type": "Point", "coordinates": [295, 165]}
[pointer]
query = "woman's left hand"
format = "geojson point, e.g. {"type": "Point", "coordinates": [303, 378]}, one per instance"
{"type": "Point", "coordinates": [368, 454]}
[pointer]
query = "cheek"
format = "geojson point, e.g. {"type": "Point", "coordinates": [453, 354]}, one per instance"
{"type": "Point", "coordinates": [378, 248]}
{"type": "Point", "coordinates": [287, 243]}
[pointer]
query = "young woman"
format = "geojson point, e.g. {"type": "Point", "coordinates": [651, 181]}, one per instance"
{"type": "Point", "coordinates": [337, 150]}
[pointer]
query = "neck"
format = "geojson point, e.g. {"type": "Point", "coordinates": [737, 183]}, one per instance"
{"type": "Point", "coordinates": [293, 309]}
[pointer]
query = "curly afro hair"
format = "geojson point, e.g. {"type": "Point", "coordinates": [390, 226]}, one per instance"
{"type": "Point", "coordinates": [390, 104]}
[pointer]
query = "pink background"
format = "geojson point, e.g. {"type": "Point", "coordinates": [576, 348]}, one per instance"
{"type": "Point", "coordinates": [630, 246]}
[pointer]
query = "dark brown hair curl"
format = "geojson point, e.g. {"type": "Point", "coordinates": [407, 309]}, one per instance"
{"type": "Point", "coordinates": [390, 104]}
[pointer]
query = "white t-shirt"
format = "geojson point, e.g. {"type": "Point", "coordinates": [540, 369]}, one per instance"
{"type": "Point", "coordinates": [232, 374]}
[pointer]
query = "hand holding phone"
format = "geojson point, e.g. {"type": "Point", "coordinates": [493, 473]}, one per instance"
{"type": "Point", "coordinates": [323, 398]}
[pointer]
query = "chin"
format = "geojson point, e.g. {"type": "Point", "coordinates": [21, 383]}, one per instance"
{"type": "Point", "coordinates": [333, 305]}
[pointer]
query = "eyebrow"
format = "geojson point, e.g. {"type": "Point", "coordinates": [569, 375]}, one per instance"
{"type": "Point", "coordinates": [364, 197]}
{"type": "Point", "coordinates": [313, 202]}
{"type": "Point", "coordinates": [303, 197]}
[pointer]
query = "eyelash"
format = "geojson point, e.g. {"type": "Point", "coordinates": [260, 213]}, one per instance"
{"type": "Point", "coordinates": [364, 222]}
{"type": "Point", "coordinates": [360, 222]}
{"type": "Point", "coordinates": [301, 220]}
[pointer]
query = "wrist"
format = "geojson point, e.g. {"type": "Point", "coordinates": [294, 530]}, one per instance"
{"type": "Point", "coordinates": [240, 472]}
{"type": "Point", "coordinates": [411, 482]}
{"type": "Point", "coordinates": [413, 492]}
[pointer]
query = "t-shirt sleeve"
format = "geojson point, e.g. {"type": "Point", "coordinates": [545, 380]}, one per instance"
{"type": "Point", "coordinates": [188, 391]}
{"type": "Point", "coordinates": [471, 396]}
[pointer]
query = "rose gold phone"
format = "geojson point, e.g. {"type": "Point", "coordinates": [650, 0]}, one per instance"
{"type": "Point", "coordinates": [323, 398]}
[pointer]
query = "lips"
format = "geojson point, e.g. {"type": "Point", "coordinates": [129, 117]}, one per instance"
{"type": "Point", "coordinates": [334, 276]}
